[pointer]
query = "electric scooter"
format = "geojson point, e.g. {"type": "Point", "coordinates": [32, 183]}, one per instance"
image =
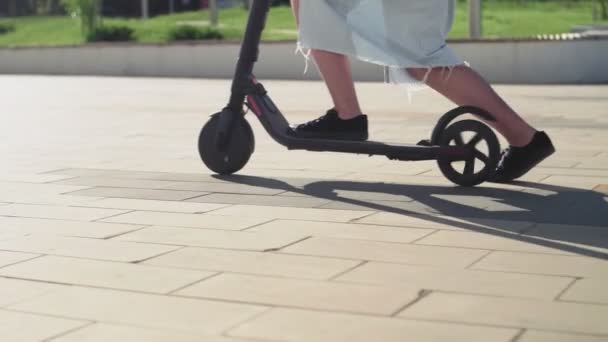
{"type": "Point", "coordinates": [226, 142]}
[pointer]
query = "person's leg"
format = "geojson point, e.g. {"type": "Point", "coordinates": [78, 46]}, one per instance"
{"type": "Point", "coordinates": [336, 72]}
{"type": "Point", "coordinates": [464, 86]}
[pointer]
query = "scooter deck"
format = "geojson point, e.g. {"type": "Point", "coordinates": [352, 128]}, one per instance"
{"type": "Point", "coordinates": [278, 128]}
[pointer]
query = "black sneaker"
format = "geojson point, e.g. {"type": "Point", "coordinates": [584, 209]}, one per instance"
{"type": "Point", "coordinates": [331, 127]}
{"type": "Point", "coordinates": [517, 161]}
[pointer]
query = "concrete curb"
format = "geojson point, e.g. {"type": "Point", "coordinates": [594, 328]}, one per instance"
{"type": "Point", "coordinates": [528, 61]}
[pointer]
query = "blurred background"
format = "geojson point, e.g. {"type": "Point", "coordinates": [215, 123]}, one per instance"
{"type": "Point", "coordinates": [68, 22]}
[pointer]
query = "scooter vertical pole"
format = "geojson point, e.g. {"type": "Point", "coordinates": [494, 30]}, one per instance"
{"type": "Point", "coordinates": [249, 53]}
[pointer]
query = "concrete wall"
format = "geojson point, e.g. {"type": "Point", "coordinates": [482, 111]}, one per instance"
{"type": "Point", "coordinates": [525, 62]}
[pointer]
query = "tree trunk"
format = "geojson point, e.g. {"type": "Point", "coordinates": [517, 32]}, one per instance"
{"type": "Point", "coordinates": [145, 12]}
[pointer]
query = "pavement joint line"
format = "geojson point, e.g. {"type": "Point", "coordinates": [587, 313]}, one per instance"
{"type": "Point", "coordinates": [354, 220]}
{"type": "Point", "coordinates": [226, 332]}
{"type": "Point", "coordinates": [277, 249]}
{"type": "Point", "coordinates": [341, 273]}
{"type": "Point", "coordinates": [88, 286]}
{"type": "Point", "coordinates": [558, 297]}
{"type": "Point", "coordinates": [156, 256]}
{"type": "Point", "coordinates": [210, 212]}
{"type": "Point", "coordinates": [141, 227]}
{"type": "Point", "coordinates": [432, 231]}
{"type": "Point", "coordinates": [528, 273]}
{"type": "Point", "coordinates": [53, 171]}
{"type": "Point", "coordinates": [213, 275]}
{"type": "Point", "coordinates": [71, 193]}
{"type": "Point", "coordinates": [480, 324]}
{"type": "Point", "coordinates": [583, 302]}
{"type": "Point", "coordinates": [468, 267]}
{"type": "Point", "coordinates": [286, 306]}
{"type": "Point", "coordinates": [421, 295]}
{"type": "Point", "coordinates": [257, 225]}
{"type": "Point", "coordinates": [518, 336]}
{"type": "Point", "coordinates": [69, 331]}
{"type": "Point", "coordinates": [20, 261]}
{"type": "Point", "coordinates": [128, 211]}
{"type": "Point", "coordinates": [140, 210]}
{"type": "Point", "coordinates": [60, 180]}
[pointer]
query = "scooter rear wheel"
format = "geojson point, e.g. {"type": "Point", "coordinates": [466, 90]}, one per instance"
{"type": "Point", "coordinates": [234, 155]}
{"type": "Point", "coordinates": [486, 152]}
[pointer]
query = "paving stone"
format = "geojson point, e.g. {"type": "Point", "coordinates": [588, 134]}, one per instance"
{"type": "Point", "coordinates": [317, 174]}
{"type": "Point", "coordinates": [279, 265]}
{"type": "Point", "coordinates": [510, 312]}
{"type": "Point", "coordinates": [97, 230]}
{"type": "Point", "coordinates": [344, 230]}
{"type": "Point", "coordinates": [558, 171]}
{"type": "Point", "coordinates": [444, 222]}
{"type": "Point", "coordinates": [512, 242]}
{"type": "Point", "coordinates": [47, 199]}
{"type": "Point", "coordinates": [84, 248]}
{"type": "Point", "coordinates": [212, 238]}
{"type": "Point", "coordinates": [38, 189]}
{"type": "Point", "coordinates": [308, 294]}
{"type": "Point", "coordinates": [300, 325]}
{"type": "Point", "coordinates": [16, 290]}
{"type": "Point", "coordinates": [32, 178]}
{"type": "Point", "coordinates": [57, 212]}
{"type": "Point", "coordinates": [167, 176]}
{"type": "Point", "coordinates": [565, 265]}
{"type": "Point", "coordinates": [588, 290]}
{"type": "Point", "coordinates": [224, 187]}
{"type": "Point", "coordinates": [382, 251]}
{"type": "Point", "coordinates": [143, 310]}
{"type": "Point", "coordinates": [112, 182]}
{"type": "Point", "coordinates": [292, 213]}
{"type": "Point", "coordinates": [391, 206]}
{"type": "Point", "coordinates": [279, 201]}
{"type": "Point", "coordinates": [7, 258]}
{"type": "Point", "coordinates": [556, 161]}
{"type": "Point", "coordinates": [597, 163]}
{"type": "Point", "coordinates": [151, 194]}
{"type": "Point", "coordinates": [18, 327]}
{"type": "Point", "coordinates": [583, 183]}
{"type": "Point", "coordinates": [187, 220]}
{"type": "Point", "coordinates": [595, 238]}
{"type": "Point", "coordinates": [455, 280]}
{"type": "Point", "coordinates": [104, 274]}
{"type": "Point", "coordinates": [370, 195]}
{"type": "Point", "coordinates": [155, 205]}
{"type": "Point", "coordinates": [101, 332]}
{"type": "Point", "coordinates": [545, 336]}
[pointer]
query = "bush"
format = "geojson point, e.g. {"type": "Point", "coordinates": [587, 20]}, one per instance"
{"type": "Point", "coordinates": [88, 11]}
{"type": "Point", "coordinates": [111, 34]}
{"type": "Point", "coordinates": [187, 32]}
{"type": "Point", "coordinates": [6, 28]}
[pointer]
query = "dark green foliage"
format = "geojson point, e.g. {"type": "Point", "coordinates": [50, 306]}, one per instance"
{"type": "Point", "coordinates": [6, 28]}
{"type": "Point", "coordinates": [188, 32]}
{"type": "Point", "coordinates": [111, 34]}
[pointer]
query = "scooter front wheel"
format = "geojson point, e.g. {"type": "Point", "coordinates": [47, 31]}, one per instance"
{"type": "Point", "coordinates": [485, 147]}
{"type": "Point", "coordinates": [234, 155]}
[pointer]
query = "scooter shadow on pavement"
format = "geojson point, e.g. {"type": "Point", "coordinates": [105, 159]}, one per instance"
{"type": "Point", "coordinates": [561, 216]}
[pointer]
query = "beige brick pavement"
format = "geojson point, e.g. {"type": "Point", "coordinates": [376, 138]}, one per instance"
{"type": "Point", "coordinates": [111, 229]}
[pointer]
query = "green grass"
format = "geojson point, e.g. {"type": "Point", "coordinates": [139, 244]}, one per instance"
{"type": "Point", "coordinates": [501, 19]}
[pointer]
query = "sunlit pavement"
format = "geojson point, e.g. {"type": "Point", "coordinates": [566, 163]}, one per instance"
{"type": "Point", "coordinates": [112, 229]}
